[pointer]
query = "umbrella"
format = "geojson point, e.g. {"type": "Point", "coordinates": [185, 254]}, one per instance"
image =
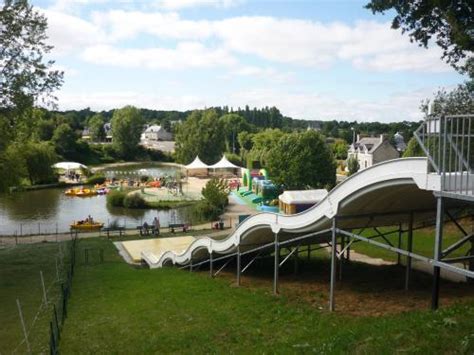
{"type": "Point", "coordinates": [69, 165]}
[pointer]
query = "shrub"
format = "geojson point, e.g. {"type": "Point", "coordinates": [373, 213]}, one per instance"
{"type": "Point", "coordinates": [204, 211]}
{"type": "Point", "coordinates": [352, 165]}
{"type": "Point", "coordinates": [96, 179]}
{"type": "Point", "coordinates": [215, 192]}
{"type": "Point", "coordinates": [116, 198]}
{"type": "Point", "coordinates": [134, 200]}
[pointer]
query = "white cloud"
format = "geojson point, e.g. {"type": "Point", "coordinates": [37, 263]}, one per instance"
{"type": "Point", "coordinates": [70, 33]}
{"type": "Point", "coordinates": [185, 55]}
{"type": "Point", "coordinates": [121, 24]}
{"type": "Point", "coordinates": [182, 4]}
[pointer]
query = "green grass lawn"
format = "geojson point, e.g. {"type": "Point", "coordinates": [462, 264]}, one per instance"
{"type": "Point", "coordinates": [119, 309]}
{"type": "Point", "coordinates": [115, 308]}
{"type": "Point", "coordinates": [423, 242]}
{"type": "Point", "coordinates": [20, 278]}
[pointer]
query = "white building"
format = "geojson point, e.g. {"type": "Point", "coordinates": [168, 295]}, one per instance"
{"type": "Point", "coordinates": [157, 133]}
{"type": "Point", "coordinates": [372, 150]}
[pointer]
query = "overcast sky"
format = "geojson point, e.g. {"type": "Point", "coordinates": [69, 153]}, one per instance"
{"type": "Point", "coordinates": [311, 59]}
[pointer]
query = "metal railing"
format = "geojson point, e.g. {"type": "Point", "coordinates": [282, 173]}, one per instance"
{"type": "Point", "coordinates": [448, 142]}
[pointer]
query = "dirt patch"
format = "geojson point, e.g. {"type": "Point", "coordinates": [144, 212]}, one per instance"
{"type": "Point", "coordinates": [365, 290]}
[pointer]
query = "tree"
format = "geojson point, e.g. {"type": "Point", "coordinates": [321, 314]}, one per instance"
{"type": "Point", "coordinates": [45, 129]}
{"type": "Point", "coordinates": [25, 77]}
{"type": "Point", "coordinates": [201, 134]}
{"type": "Point", "coordinates": [262, 143]}
{"type": "Point", "coordinates": [458, 101]}
{"type": "Point", "coordinates": [96, 128]}
{"type": "Point", "coordinates": [302, 160]}
{"type": "Point", "coordinates": [449, 22]}
{"type": "Point", "coordinates": [339, 149]}
{"type": "Point", "coordinates": [64, 139]}
{"type": "Point", "coordinates": [353, 165]}
{"type": "Point", "coordinates": [413, 149]}
{"type": "Point", "coordinates": [127, 127]}
{"type": "Point", "coordinates": [233, 124]}
{"type": "Point", "coordinates": [39, 158]}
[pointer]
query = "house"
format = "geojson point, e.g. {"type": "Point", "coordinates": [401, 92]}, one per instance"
{"type": "Point", "coordinates": [156, 133]}
{"type": "Point", "coordinates": [372, 150]}
{"type": "Point", "coordinates": [400, 144]}
{"type": "Point", "coordinates": [86, 135]}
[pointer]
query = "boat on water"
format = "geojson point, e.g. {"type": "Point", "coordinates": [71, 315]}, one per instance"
{"type": "Point", "coordinates": [80, 192]}
{"type": "Point", "coordinates": [87, 226]}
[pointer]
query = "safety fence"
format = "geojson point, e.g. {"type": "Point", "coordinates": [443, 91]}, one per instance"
{"type": "Point", "coordinates": [448, 143]}
{"type": "Point", "coordinates": [59, 313]}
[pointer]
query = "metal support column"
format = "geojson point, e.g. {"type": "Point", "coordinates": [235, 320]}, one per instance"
{"type": "Point", "coordinates": [410, 249]}
{"type": "Point", "coordinates": [309, 252]}
{"type": "Point", "coordinates": [437, 251]}
{"type": "Point", "coordinates": [211, 265]}
{"type": "Point", "coordinates": [471, 252]}
{"type": "Point", "coordinates": [341, 255]}
{"type": "Point", "coordinates": [400, 234]}
{"type": "Point", "coordinates": [333, 265]}
{"type": "Point", "coordinates": [276, 265]}
{"type": "Point", "coordinates": [238, 265]}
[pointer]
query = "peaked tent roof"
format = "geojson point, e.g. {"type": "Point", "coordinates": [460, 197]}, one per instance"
{"type": "Point", "coordinates": [197, 164]}
{"type": "Point", "coordinates": [69, 165]}
{"type": "Point", "coordinates": [224, 164]}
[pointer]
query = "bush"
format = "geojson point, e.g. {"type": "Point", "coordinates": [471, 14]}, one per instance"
{"type": "Point", "coordinates": [134, 200]}
{"type": "Point", "coordinates": [116, 198]}
{"type": "Point", "coordinates": [204, 211]}
{"type": "Point", "coordinates": [96, 179]}
{"type": "Point", "coordinates": [352, 165]}
{"type": "Point", "coordinates": [215, 192]}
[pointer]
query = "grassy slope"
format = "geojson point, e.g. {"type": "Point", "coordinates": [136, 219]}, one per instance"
{"type": "Point", "coordinates": [119, 309]}
{"type": "Point", "coordinates": [423, 242]}
{"type": "Point", "coordinates": [19, 278]}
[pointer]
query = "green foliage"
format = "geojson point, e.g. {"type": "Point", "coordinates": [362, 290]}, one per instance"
{"type": "Point", "coordinates": [339, 149]}
{"type": "Point", "coordinates": [262, 143]}
{"type": "Point", "coordinates": [25, 75]}
{"type": "Point", "coordinates": [134, 200]}
{"type": "Point", "coordinates": [201, 134]}
{"type": "Point", "coordinates": [96, 179]}
{"type": "Point", "coordinates": [12, 167]}
{"type": "Point", "coordinates": [457, 101]}
{"type": "Point", "coordinates": [96, 128]}
{"type": "Point", "coordinates": [215, 195]}
{"type": "Point", "coordinates": [45, 129]}
{"type": "Point", "coordinates": [234, 158]}
{"type": "Point", "coordinates": [115, 198]}
{"type": "Point", "coordinates": [233, 124]}
{"type": "Point", "coordinates": [413, 149]}
{"type": "Point", "coordinates": [64, 139]}
{"type": "Point", "coordinates": [353, 165]}
{"type": "Point", "coordinates": [449, 22]}
{"type": "Point", "coordinates": [127, 126]}
{"type": "Point", "coordinates": [216, 192]}
{"type": "Point", "coordinates": [38, 159]}
{"type": "Point", "coordinates": [302, 160]}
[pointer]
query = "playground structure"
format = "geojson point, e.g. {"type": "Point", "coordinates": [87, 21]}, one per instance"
{"type": "Point", "coordinates": [259, 190]}
{"type": "Point", "coordinates": [402, 194]}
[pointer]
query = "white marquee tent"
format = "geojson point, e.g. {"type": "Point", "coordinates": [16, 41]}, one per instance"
{"type": "Point", "coordinates": [197, 167]}
{"type": "Point", "coordinates": [68, 165]}
{"type": "Point", "coordinates": [224, 164]}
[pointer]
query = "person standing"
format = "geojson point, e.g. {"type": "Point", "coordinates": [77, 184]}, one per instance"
{"type": "Point", "coordinates": [156, 225]}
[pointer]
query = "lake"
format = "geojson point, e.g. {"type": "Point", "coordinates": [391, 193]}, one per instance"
{"type": "Point", "coordinates": [48, 210]}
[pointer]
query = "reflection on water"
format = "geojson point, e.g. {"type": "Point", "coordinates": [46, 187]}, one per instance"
{"type": "Point", "coordinates": [44, 210]}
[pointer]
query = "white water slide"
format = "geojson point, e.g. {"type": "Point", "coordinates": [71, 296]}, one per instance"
{"type": "Point", "coordinates": [387, 194]}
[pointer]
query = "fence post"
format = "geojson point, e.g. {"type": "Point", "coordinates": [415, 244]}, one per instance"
{"type": "Point", "coordinates": [23, 325]}
{"type": "Point", "coordinates": [44, 288]}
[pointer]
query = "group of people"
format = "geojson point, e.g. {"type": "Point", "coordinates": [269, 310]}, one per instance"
{"type": "Point", "coordinates": [154, 228]}
{"type": "Point", "coordinates": [72, 175]}
{"type": "Point", "coordinates": [88, 220]}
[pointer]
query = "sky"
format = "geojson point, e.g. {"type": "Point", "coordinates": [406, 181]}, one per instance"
{"type": "Point", "coordinates": [313, 59]}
